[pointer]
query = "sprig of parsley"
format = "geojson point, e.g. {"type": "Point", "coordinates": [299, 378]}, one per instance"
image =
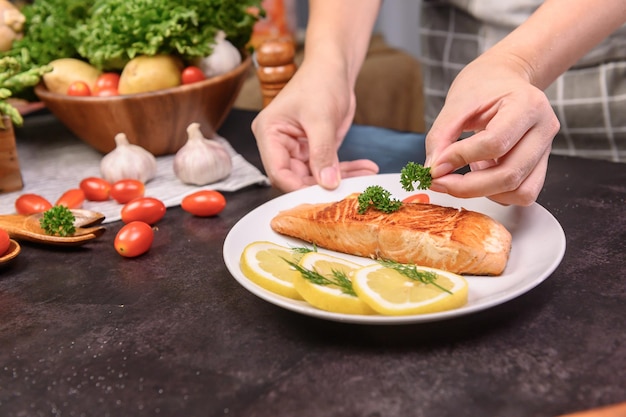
{"type": "Point", "coordinates": [59, 220]}
{"type": "Point", "coordinates": [413, 172]}
{"type": "Point", "coordinates": [379, 198]}
{"type": "Point", "coordinates": [411, 272]}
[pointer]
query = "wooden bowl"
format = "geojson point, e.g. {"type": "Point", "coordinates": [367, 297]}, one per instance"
{"type": "Point", "coordinates": [156, 120]}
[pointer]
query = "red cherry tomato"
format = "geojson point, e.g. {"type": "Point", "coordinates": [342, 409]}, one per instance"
{"type": "Point", "coordinates": [134, 239]}
{"type": "Point", "coordinates": [95, 188]}
{"type": "Point", "coordinates": [124, 191]}
{"type": "Point", "coordinates": [192, 74]}
{"type": "Point", "coordinates": [78, 88]}
{"type": "Point", "coordinates": [31, 203]}
{"type": "Point", "coordinates": [72, 199]}
{"type": "Point", "coordinates": [5, 242]}
{"type": "Point", "coordinates": [106, 81]}
{"type": "Point", "coordinates": [146, 209]}
{"type": "Point", "coordinates": [106, 92]}
{"type": "Point", "coordinates": [417, 198]}
{"type": "Point", "coordinates": [204, 203]}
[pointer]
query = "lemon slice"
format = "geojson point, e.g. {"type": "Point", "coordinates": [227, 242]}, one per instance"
{"type": "Point", "coordinates": [335, 294]}
{"type": "Point", "coordinates": [391, 292]}
{"type": "Point", "coordinates": [267, 265]}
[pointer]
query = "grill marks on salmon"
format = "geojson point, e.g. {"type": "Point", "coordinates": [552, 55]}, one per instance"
{"type": "Point", "coordinates": [455, 240]}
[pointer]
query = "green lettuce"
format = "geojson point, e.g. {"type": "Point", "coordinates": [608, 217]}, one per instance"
{"type": "Point", "coordinates": [48, 31]}
{"type": "Point", "coordinates": [118, 30]}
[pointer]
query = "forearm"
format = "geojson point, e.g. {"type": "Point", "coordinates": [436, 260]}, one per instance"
{"type": "Point", "coordinates": [558, 34]}
{"type": "Point", "coordinates": [338, 33]}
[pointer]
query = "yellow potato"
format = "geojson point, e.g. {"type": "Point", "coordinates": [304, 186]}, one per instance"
{"type": "Point", "coordinates": [150, 73]}
{"type": "Point", "coordinates": [65, 71]}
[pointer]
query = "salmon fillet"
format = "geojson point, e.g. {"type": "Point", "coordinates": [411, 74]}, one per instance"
{"type": "Point", "coordinates": [455, 240]}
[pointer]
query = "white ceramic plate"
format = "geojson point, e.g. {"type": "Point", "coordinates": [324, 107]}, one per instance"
{"type": "Point", "coordinates": [538, 248]}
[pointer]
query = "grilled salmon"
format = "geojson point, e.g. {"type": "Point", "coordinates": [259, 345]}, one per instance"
{"type": "Point", "coordinates": [455, 240]}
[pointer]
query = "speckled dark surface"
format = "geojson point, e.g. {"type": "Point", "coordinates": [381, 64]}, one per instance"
{"type": "Point", "coordinates": [84, 332]}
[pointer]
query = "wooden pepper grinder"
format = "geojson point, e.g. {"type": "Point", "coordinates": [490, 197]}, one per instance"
{"type": "Point", "coordinates": [10, 174]}
{"type": "Point", "coordinates": [275, 66]}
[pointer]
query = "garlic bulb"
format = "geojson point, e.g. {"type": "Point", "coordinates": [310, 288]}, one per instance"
{"type": "Point", "coordinates": [225, 57]}
{"type": "Point", "coordinates": [128, 161]}
{"type": "Point", "coordinates": [201, 161]}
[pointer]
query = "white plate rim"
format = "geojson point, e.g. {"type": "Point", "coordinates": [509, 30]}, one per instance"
{"type": "Point", "coordinates": [512, 216]}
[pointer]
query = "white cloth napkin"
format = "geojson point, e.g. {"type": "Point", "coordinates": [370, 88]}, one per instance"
{"type": "Point", "coordinates": [51, 168]}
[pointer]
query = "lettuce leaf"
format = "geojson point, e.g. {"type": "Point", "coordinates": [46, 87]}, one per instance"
{"type": "Point", "coordinates": [118, 30]}
{"type": "Point", "coordinates": [47, 31]}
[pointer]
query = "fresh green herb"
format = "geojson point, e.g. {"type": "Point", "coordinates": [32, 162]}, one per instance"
{"type": "Point", "coordinates": [59, 220]}
{"type": "Point", "coordinates": [412, 173]}
{"type": "Point", "coordinates": [379, 198]}
{"type": "Point", "coordinates": [303, 249]}
{"type": "Point", "coordinates": [338, 278]}
{"type": "Point", "coordinates": [411, 272]}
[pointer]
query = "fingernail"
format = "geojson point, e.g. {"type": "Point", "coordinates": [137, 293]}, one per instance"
{"type": "Point", "coordinates": [329, 177]}
{"type": "Point", "coordinates": [438, 188]}
{"type": "Point", "coordinates": [441, 170]}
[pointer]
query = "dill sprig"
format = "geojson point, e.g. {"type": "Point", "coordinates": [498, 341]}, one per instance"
{"type": "Point", "coordinates": [411, 272]}
{"type": "Point", "coordinates": [379, 198]}
{"type": "Point", "coordinates": [338, 278]}
{"type": "Point", "coordinates": [59, 220]}
{"type": "Point", "coordinates": [413, 172]}
{"type": "Point", "coordinates": [303, 250]}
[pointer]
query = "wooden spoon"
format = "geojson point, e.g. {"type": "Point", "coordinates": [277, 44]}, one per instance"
{"type": "Point", "coordinates": [23, 227]}
{"type": "Point", "coordinates": [12, 252]}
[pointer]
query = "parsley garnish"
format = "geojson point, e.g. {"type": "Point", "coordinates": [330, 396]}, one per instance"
{"type": "Point", "coordinates": [411, 272]}
{"type": "Point", "coordinates": [412, 173]}
{"type": "Point", "coordinates": [377, 196]}
{"type": "Point", "coordinates": [338, 278]}
{"type": "Point", "coordinates": [59, 220]}
{"type": "Point", "coordinates": [380, 199]}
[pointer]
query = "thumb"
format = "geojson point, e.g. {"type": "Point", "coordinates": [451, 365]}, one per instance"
{"type": "Point", "coordinates": [445, 131]}
{"type": "Point", "coordinates": [323, 159]}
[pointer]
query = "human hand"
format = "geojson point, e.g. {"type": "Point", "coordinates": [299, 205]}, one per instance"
{"type": "Point", "coordinates": [299, 132]}
{"type": "Point", "coordinates": [514, 126]}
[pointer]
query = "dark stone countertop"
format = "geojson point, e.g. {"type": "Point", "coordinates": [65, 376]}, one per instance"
{"type": "Point", "coordinates": [85, 332]}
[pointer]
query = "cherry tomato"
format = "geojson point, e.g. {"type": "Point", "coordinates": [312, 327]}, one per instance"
{"type": "Point", "coordinates": [146, 209]}
{"type": "Point", "coordinates": [72, 199]}
{"type": "Point", "coordinates": [124, 191]}
{"type": "Point", "coordinates": [204, 203]}
{"type": "Point", "coordinates": [192, 74]}
{"type": "Point", "coordinates": [134, 239]}
{"type": "Point", "coordinates": [78, 88]}
{"type": "Point", "coordinates": [5, 242]}
{"type": "Point", "coordinates": [417, 198]}
{"type": "Point", "coordinates": [31, 203]}
{"type": "Point", "coordinates": [95, 188]}
{"type": "Point", "coordinates": [106, 81]}
{"type": "Point", "coordinates": [106, 92]}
